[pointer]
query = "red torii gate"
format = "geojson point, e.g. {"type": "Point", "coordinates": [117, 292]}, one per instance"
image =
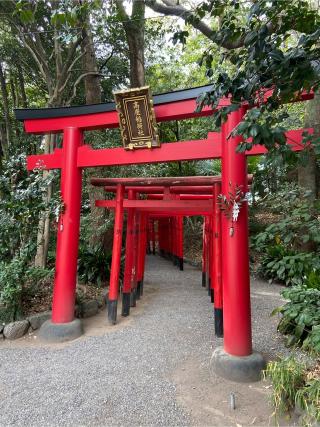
{"type": "Point", "coordinates": [74, 156]}
{"type": "Point", "coordinates": [165, 206]}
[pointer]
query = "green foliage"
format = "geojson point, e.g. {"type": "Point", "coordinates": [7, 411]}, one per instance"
{"type": "Point", "coordinates": [300, 319]}
{"type": "Point", "coordinates": [266, 53]}
{"type": "Point", "coordinates": [293, 384]}
{"type": "Point", "coordinates": [308, 399]}
{"type": "Point", "coordinates": [287, 376]}
{"type": "Point", "coordinates": [93, 265]}
{"type": "Point", "coordinates": [289, 247]}
{"type": "Point", "coordinates": [287, 266]}
{"type": "Point", "coordinates": [21, 203]}
{"type": "Point", "coordinates": [17, 278]}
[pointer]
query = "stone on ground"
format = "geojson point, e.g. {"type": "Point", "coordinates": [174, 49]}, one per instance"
{"type": "Point", "coordinates": [36, 320]}
{"type": "Point", "coordinates": [15, 330]}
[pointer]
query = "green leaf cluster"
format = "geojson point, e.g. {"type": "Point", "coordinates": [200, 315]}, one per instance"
{"type": "Point", "coordinates": [300, 319]}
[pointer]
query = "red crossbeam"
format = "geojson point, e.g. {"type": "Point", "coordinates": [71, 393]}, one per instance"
{"type": "Point", "coordinates": [172, 111]}
{"type": "Point", "coordinates": [170, 152]}
{"type": "Point", "coordinates": [177, 110]}
{"type": "Point", "coordinates": [172, 205]}
{"type": "Point", "coordinates": [162, 181]}
{"type": "Point", "coordinates": [184, 196]}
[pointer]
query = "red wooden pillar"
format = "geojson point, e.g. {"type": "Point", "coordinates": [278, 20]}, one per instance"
{"type": "Point", "coordinates": [166, 237]}
{"type": "Point", "coordinates": [141, 253]}
{"type": "Point", "coordinates": [235, 256]}
{"type": "Point", "coordinates": [169, 238]}
{"type": "Point", "coordinates": [68, 230]}
{"type": "Point", "coordinates": [144, 247]}
{"type": "Point", "coordinates": [116, 256]}
{"type": "Point", "coordinates": [133, 295]}
{"type": "Point", "coordinates": [210, 267]}
{"type": "Point", "coordinates": [153, 237]}
{"type": "Point", "coordinates": [148, 246]}
{"type": "Point", "coordinates": [126, 290]}
{"type": "Point", "coordinates": [175, 240]}
{"type": "Point", "coordinates": [180, 241]}
{"type": "Point", "coordinates": [160, 237]}
{"type": "Point", "coordinates": [204, 252]}
{"type": "Point", "coordinates": [218, 295]}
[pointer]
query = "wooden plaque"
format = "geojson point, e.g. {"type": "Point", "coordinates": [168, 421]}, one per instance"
{"type": "Point", "coordinates": [137, 121]}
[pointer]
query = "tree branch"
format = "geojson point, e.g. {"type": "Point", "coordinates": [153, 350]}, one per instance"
{"type": "Point", "coordinates": [79, 79]}
{"type": "Point", "coordinates": [121, 10]}
{"type": "Point", "coordinates": [168, 8]}
{"type": "Point", "coordinates": [106, 60]}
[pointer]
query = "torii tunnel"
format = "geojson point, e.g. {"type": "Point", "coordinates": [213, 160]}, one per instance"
{"type": "Point", "coordinates": [226, 257]}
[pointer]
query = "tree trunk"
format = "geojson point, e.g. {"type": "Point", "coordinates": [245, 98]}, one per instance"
{"type": "Point", "coordinates": [93, 96]}
{"type": "Point", "coordinates": [13, 91]}
{"type": "Point", "coordinates": [22, 90]}
{"type": "Point", "coordinates": [5, 101]}
{"type": "Point", "coordinates": [307, 175]}
{"type": "Point", "coordinates": [89, 63]}
{"type": "Point", "coordinates": [43, 235]}
{"type": "Point", "coordinates": [135, 38]}
{"type": "Point", "coordinates": [134, 28]}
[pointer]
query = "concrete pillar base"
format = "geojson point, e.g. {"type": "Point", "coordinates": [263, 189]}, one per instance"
{"type": "Point", "coordinates": [235, 368]}
{"type": "Point", "coordinates": [60, 332]}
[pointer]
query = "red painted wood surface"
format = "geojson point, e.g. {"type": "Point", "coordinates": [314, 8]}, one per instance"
{"type": "Point", "coordinates": [68, 232]}
{"type": "Point", "coordinates": [117, 244]}
{"type": "Point", "coordinates": [169, 152]}
{"type": "Point", "coordinates": [235, 256]}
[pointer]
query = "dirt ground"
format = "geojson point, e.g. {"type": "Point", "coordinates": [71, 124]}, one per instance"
{"type": "Point", "coordinates": [153, 365]}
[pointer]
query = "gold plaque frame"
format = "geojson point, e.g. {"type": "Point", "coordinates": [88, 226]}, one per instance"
{"type": "Point", "coordinates": [137, 120]}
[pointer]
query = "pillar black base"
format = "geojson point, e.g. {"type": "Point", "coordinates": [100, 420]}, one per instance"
{"type": "Point", "coordinates": [212, 295]}
{"type": "Point", "coordinates": [141, 287]}
{"type": "Point", "coordinates": [112, 311]}
{"type": "Point", "coordinates": [138, 293]}
{"type": "Point", "coordinates": [133, 298]}
{"type": "Point", "coordinates": [204, 279]}
{"type": "Point", "coordinates": [218, 322]}
{"type": "Point", "coordinates": [209, 287]}
{"type": "Point", "coordinates": [125, 304]}
{"type": "Point", "coordinates": [180, 263]}
{"type": "Point", "coordinates": [153, 251]}
{"type": "Point", "coordinates": [161, 252]}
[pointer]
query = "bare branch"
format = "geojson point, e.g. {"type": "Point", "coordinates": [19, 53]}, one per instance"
{"type": "Point", "coordinates": [75, 61]}
{"type": "Point", "coordinates": [107, 60]}
{"type": "Point", "coordinates": [78, 81]}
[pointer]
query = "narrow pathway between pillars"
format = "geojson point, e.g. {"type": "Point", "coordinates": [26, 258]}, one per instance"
{"type": "Point", "coordinates": [149, 369]}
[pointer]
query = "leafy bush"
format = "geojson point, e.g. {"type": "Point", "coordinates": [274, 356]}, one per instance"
{"type": "Point", "coordinates": [301, 317]}
{"type": "Point", "coordinates": [289, 248]}
{"type": "Point", "coordinates": [289, 267]}
{"type": "Point", "coordinates": [93, 264]}
{"type": "Point", "coordinates": [295, 385]}
{"type": "Point", "coordinates": [17, 279]}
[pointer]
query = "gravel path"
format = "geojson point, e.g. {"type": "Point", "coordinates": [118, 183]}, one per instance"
{"type": "Point", "coordinates": [124, 375]}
